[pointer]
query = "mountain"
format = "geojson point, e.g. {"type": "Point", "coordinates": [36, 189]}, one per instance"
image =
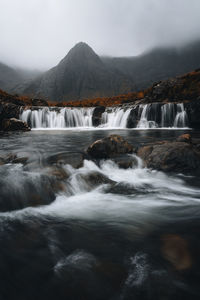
{"type": "Point", "coordinates": [81, 74]}
{"type": "Point", "coordinates": [158, 64]}
{"type": "Point", "coordinates": [9, 77]}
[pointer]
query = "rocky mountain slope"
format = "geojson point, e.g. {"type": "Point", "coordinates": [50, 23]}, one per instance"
{"type": "Point", "coordinates": [158, 64]}
{"type": "Point", "coordinates": [81, 74]}
{"type": "Point", "coordinates": [8, 77]}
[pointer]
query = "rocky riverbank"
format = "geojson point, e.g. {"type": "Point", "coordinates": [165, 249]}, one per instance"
{"type": "Point", "coordinates": [52, 175]}
{"type": "Point", "coordinates": [179, 156]}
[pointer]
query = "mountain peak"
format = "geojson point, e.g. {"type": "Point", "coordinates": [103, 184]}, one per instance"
{"type": "Point", "coordinates": [81, 53]}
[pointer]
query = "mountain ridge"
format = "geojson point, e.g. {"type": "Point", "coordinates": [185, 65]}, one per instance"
{"type": "Point", "coordinates": [83, 74]}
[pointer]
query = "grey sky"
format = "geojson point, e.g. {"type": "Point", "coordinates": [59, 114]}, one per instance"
{"type": "Point", "coordinates": [38, 33]}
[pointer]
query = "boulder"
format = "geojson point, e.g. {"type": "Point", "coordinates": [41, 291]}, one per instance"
{"type": "Point", "coordinates": [179, 157]}
{"type": "Point", "coordinates": [125, 161]}
{"type": "Point", "coordinates": [109, 147]}
{"type": "Point", "coordinates": [95, 178]}
{"type": "Point", "coordinates": [8, 110]}
{"type": "Point", "coordinates": [74, 159]}
{"type": "Point", "coordinates": [97, 113]}
{"type": "Point", "coordinates": [184, 138]}
{"type": "Point", "coordinates": [14, 124]}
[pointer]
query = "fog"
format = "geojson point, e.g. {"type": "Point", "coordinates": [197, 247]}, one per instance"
{"type": "Point", "coordinates": [38, 33]}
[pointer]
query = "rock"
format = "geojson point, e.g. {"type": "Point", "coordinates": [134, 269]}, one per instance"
{"type": "Point", "coordinates": [7, 111]}
{"type": "Point", "coordinates": [125, 161]}
{"type": "Point", "coordinates": [20, 160]}
{"type": "Point", "coordinates": [59, 173]}
{"type": "Point", "coordinates": [184, 138]}
{"type": "Point", "coordinates": [14, 124]}
{"type": "Point", "coordinates": [36, 191]}
{"type": "Point", "coordinates": [66, 158]}
{"type": "Point", "coordinates": [109, 147]}
{"type": "Point", "coordinates": [193, 111]}
{"type": "Point", "coordinates": [175, 249]}
{"type": "Point", "coordinates": [97, 113]}
{"type": "Point", "coordinates": [133, 118]}
{"type": "Point", "coordinates": [94, 179]}
{"type": "Point", "coordinates": [179, 157]}
{"type": "Point", "coordinates": [39, 102]}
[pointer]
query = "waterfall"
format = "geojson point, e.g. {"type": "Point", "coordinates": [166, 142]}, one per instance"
{"type": "Point", "coordinates": [115, 117]}
{"type": "Point", "coordinates": [154, 115]}
{"type": "Point", "coordinates": [170, 115]}
{"type": "Point", "coordinates": [58, 117]}
{"type": "Point", "coordinates": [181, 119]}
{"type": "Point", "coordinates": [144, 119]}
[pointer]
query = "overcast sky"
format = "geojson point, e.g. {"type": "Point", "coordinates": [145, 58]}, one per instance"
{"type": "Point", "coordinates": [39, 33]}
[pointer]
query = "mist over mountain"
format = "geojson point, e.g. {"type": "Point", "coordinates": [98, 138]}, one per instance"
{"type": "Point", "coordinates": [8, 77]}
{"type": "Point", "coordinates": [11, 78]}
{"type": "Point", "coordinates": [83, 74]}
{"type": "Point", "coordinates": [158, 64]}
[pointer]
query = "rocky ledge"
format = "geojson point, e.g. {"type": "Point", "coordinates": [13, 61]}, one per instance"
{"type": "Point", "coordinates": [10, 106]}
{"type": "Point", "coordinates": [14, 124]}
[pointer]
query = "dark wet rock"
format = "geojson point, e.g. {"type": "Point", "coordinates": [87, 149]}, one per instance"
{"type": "Point", "coordinates": [109, 147]}
{"type": "Point", "coordinates": [58, 172]}
{"type": "Point", "coordinates": [20, 160]}
{"type": "Point", "coordinates": [184, 138]}
{"type": "Point", "coordinates": [175, 249]}
{"type": "Point", "coordinates": [14, 124]}
{"type": "Point", "coordinates": [97, 113]}
{"type": "Point", "coordinates": [7, 111]}
{"type": "Point", "coordinates": [94, 179]}
{"type": "Point", "coordinates": [125, 161]}
{"type": "Point", "coordinates": [67, 158]}
{"type": "Point", "coordinates": [193, 111]}
{"type": "Point", "coordinates": [179, 157]}
{"type": "Point", "coordinates": [37, 190]}
{"type": "Point", "coordinates": [133, 118]}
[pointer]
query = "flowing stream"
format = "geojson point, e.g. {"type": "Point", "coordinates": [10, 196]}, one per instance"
{"type": "Point", "coordinates": [97, 231]}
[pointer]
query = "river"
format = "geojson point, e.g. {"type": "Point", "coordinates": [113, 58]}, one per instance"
{"type": "Point", "coordinates": [135, 237]}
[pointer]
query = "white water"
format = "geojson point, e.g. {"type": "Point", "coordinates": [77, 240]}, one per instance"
{"type": "Point", "coordinates": [115, 117]}
{"type": "Point", "coordinates": [181, 118]}
{"type": "Point", "coordinates": [171, 116]}
{"type": "Point", "coordinates": [144, 123]}
{"type": "Point", "coordinates": [139, 196]}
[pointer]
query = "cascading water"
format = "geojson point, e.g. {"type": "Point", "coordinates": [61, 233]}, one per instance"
{"type": "Point", "coordinates": [144, 122]}
{"type": "Point", "coordinates": [58, 118]}
{"type": "Point", "coordinates": [181, 119]}
{"type": "Point", "coordinates": [170, 115]}
{"type": "Point", "coordinates": [154, 115]}
{"type": "Point", "coordinates": [74, 117]}
{"type": "Point", "coordinates": [115, 117]}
